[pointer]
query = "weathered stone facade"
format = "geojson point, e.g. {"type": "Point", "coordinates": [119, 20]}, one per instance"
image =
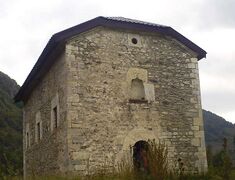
{"type": "Point", "coordinates": [50, 153]}
{"type": "Point", "coordinates": [94, 84]}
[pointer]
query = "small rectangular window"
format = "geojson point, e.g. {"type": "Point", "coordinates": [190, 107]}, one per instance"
{"type": "Point", "coordinates": [38, 132]}
{"type": "Point", "coordinates": [55, 117]}
{"type": "Point", "coordinates": [27, 140]}
{"type": "Point", "coordinates": [27, 136]}
{"type": "Point", "coordinates": [55, 111]}
{"type": "Point", "coordinates": [38, 127]}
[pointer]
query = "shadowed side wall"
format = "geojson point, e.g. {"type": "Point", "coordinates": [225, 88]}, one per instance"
{"type": "Point", "coordinates": [104, 120]}
{"type": "Point", "coordinates": [47, 155]}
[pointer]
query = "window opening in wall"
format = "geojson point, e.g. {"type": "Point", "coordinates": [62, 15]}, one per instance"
{"type": "Point", "coordinates": [38, 127]}
{"type": "Point", "coordinates": [27, 140]}
{"type": "Point", "coordinates": [134, 40]}
{"type": "Point", "coordinates": [137, 91]}
{"type": "Point", "coordinates": [55, 117]}
{"type": "Point", "coordinates": [38, 131]}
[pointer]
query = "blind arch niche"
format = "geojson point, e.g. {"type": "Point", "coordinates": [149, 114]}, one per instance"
{"type": "Point", "coordinates": [137, 89]}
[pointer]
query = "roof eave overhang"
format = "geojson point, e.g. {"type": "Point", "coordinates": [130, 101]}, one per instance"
{"type": "Point", "coordinates": [101, 21]}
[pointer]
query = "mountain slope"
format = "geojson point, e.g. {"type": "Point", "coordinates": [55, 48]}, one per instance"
{"type": "Point", "coordinates": [8, 85]}
{"type": "Point", "coordinates": [10, 128]}
{"type": "Point", "coordinates": [216, 129]}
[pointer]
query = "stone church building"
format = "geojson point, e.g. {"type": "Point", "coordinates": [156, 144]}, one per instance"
{"type": "Point", "coordinates": [109, 84]}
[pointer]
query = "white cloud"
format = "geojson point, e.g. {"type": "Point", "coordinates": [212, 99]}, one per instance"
{"type": "Point", "coordinates": [217, 13]}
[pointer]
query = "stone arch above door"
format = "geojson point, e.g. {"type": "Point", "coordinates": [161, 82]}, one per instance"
{"type": "Point", "coordinates": [137, 135]}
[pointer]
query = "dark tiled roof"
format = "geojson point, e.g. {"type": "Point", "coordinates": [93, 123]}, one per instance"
{"type": "Point", "coordinates": [134, 21]}
{"type": "Point", "coordinates": [56, 45]}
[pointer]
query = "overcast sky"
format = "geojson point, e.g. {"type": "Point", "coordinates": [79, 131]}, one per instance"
{"type": "Point", "coordinates": [27, 25]}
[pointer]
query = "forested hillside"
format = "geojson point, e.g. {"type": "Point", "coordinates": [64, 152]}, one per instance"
{"type": "Point", "coordinates": [216, 129]}
{"type": "Point", "coordinates": [10, 128]}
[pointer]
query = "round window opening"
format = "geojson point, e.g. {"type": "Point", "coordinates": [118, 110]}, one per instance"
{"type": "Point", "coordinates": [134, 40]}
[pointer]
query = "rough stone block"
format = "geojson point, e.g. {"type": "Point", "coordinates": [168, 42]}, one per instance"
{"type": "Point", "coordinates": [80, 155]}
{"type": "Point", "coordinates": [197, 122]}
{"type": "Point", "coordinates": [196, 142]}
{"type": "Point", "coordinates": [139, 73]}
{"type": "Point", "coordinates": [194, 60]}
{"type": "Point", "coordinates": [71, 48]}
{"type": "Point", "coordinates": [195, 128]}
{"type": "Point", "coordinates": [198, 134]}
{"type": "Point", "coordinates": [149, 92]}
{"type": "Point", "coordinates": [80, 167]}
{"type": "Point", "coordinates": [192, 66]}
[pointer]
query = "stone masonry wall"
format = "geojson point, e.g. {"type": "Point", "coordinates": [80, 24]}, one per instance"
{"type": "Point", "coordinates": [103, 122]}
{"type": "Point", "coordinates": [49, 155]}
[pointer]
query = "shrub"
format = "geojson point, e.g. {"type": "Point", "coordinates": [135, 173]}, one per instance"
{"type": "Point", "coordinates": [222, 164]}
{"type": "Point", "coordinates": [156, 164]}
{"type": "Point", "coordinates": [157, 160]}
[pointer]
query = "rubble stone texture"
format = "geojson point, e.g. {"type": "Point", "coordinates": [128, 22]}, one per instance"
{"type": "Point", "coordinates": [94, 83]}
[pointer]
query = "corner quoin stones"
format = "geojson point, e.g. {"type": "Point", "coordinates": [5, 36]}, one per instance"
{"type": "Point", "coordinates": [114, 87]}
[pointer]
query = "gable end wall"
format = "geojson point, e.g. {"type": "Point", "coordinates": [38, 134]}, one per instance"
{"type": "Point", "coordinates": [102, 123]}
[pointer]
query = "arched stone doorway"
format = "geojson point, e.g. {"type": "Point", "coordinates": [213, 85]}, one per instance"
{"type": "Point", "coordinates": [140, 161]}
